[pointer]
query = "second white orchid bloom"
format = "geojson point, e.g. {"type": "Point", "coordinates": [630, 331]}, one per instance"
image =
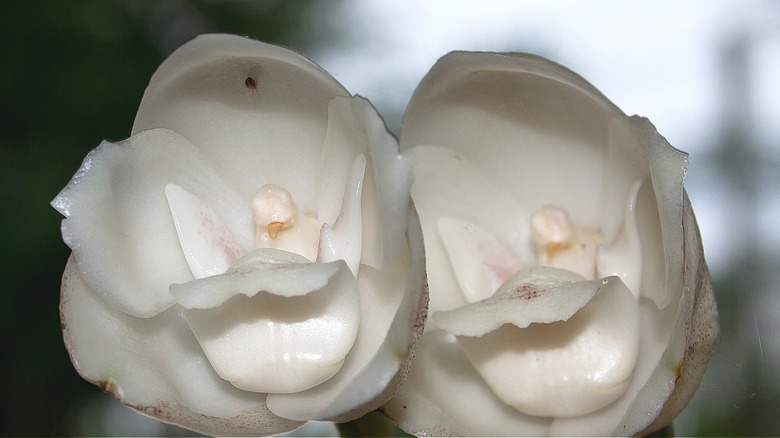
{"type": "Point", "coordinates": [569, 293]}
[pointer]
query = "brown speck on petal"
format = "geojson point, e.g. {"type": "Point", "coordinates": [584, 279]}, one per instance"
{"type": "Point", "coordinates": [250, 83]}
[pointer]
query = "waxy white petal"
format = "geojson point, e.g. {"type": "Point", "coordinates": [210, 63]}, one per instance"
{"type": "Point", "coordinates": [344, 241]}
{"type": "Point", "coordinates": [446, 185]}
{"type": "Point", "coordinates": [623, 257]}
{"type": "Point", "coordinates": [354, 127]}
{"type": "Point", "coordinates": [472, 409]}
{"type": "Point", "coordinates": [564, 366]}
{"type": "Point", "coordinates": [537, 131]}
{"type": "Point", "coordinates": [271, 133]}
{"type": "Point", "coordinates": [118, 222]}
{"type": "Point", "coordinates": [207, 245]}
{"type": "Point", "coordinates": [536, 295]}
{"type": "Point", "coordinates": [274, 271]}
{"type": "Point", "coordinates": [273, 335]}
{"type": "Point", "coordinates": [480, 262]}
{"type": "Point", "coordinates": [668, 167]}
{"type": "Point", "coordinates": [121, 354]}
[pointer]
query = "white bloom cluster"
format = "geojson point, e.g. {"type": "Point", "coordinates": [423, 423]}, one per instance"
{"type": "Point", "coordinates": [251, 257]}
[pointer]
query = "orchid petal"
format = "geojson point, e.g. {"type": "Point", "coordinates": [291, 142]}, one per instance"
{"type": "Point", "coordinates": [206, 243]}
{"type": "Point", "coordinates": [567, 361]}
{"type": "Point", "coordinates": [130, 248]}
{"type": "Point", "coordinates": [280, 273]}
{"type": "Point", "coordinates": [496, 112]}
{"type": "Point", "coordinates": [536, 295]}
{"type": "Point", "coordinates": [480, 262]}
{"type": "Point", "coordinates": [120, 353]}
{"type": "Point", "coordinates": [423, 409]}
{"type": "Point", "coordinates": [354, 126]}
{"type": "Point", "coordinates": [269, 133]}
{"type": "Point", "coordinates": [274, 335]}
{"type": "Point", "coordinates": [446, 185]}
{"type": "Point", "coordinates": [344, 240]}
{"type": "Point", "coordinates": [623, 257]}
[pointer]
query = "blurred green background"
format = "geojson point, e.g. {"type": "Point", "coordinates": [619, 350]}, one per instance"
{"type": "Point", "coordinates": [74, 72]}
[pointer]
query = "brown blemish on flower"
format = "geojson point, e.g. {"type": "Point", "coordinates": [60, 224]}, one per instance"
{"type": "Point", "coordinates": [525, 291]}
{"type": "Point", "coordinates": [528, 292]}
{"type": "Point", "coordinates": [110, 387]}
{"type": "Point", "coordinates": [247, 423]}
{"type": "Point", "coordinates": [679, 370]}
{"type": "Point", "coordinates": [250, 83]}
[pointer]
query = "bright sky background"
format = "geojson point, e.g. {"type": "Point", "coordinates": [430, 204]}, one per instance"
{"type": "Point", "coordinates": [659, 59]}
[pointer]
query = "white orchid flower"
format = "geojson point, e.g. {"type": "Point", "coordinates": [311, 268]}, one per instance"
{"type": "Point", "coordinates": [568, 289]}
{"type": "Point", "coordinates": [249, 259]}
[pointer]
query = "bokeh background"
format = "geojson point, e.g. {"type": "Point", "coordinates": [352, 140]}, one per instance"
{"type": "Point", "coordinates": [707, 73]}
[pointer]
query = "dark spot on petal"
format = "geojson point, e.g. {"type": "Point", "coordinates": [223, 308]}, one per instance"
{"type": "Point", "coordinates": [525, 291]}
{"type": "Point", "coordinates": [250, 83]}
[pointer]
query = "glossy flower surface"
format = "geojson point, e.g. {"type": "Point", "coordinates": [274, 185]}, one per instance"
{"type": "Point", "coordinates": [249, 259]}
{"type": "Point", "coordinates": [569, 293]}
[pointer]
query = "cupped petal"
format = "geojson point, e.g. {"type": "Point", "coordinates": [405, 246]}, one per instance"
{"type": "Point", "coordinates": [532, 125]}
{"type": "Point", "coordinates": [668, 167]}
{"type": "Point", "coordinates": [119, 225]}
{"type": "Point", "coordinates": [567, 362]}
{"type": "Point", "coordinates": [258, 111]}
{"type": "Point", "coordinates": [639, 155]}
{"type": "Point", "coordinates": [274, 323]}
{"type": "Point", "coordinates": [150, 364]}
{"type": "Point", "coordinates": [445, 396]}
{"type": "Point", "coordinates": [654, 331]}
{"type": "Point", "coordinates": [393, 305]}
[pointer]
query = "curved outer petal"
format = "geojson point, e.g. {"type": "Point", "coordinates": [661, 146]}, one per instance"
{"type": "Point", "coordinates": [423, 408]}
{"type": "Point", "coordinates": [522, 120]}
{"type": "Point", "coordinates": [118, 223]}
{"type": "Point", "coordinates": [179, 386]}
{"type": "Point", "coordinates": [543, 135]}
{"type": "Point", "coordinates": [694, 338]}
{"type": "Point", "coordinates": [354, 127]}
{"type": "Point", "coordinates": [269, 133]}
